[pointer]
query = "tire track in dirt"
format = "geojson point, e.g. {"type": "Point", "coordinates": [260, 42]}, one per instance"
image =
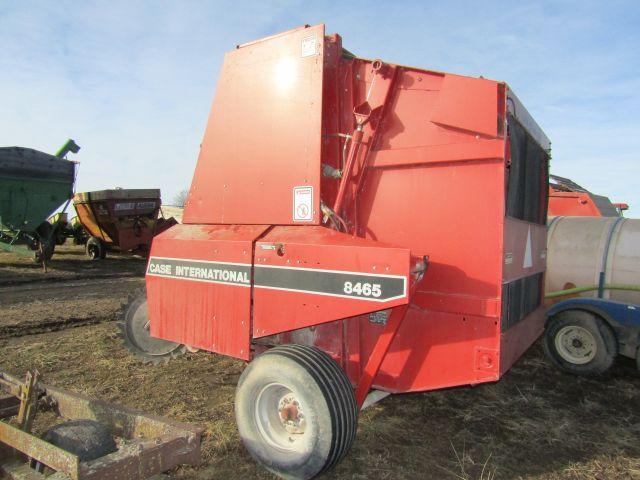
{"type": "Point", "coordinates": [46, 306]}
{"type": "Point", "coordinates": [80, 288]}
{"type": "Point", "coordinates": [22, 330]}
{"type": "Point", "coordinates": [68, 278]}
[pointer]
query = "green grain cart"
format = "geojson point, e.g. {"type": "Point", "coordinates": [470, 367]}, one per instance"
{"type": "Point", "coordinates": [33, 185]}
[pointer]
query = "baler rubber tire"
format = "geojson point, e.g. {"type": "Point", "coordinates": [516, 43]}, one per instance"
{"type": "Point", "coordinates": [95, 249]}
{"type": "Point", "coordinates": [128, 338]}
{"type": "Point", "coordinates": [605, 339]}
{"type": "Point", "coordinates": [326, 397]}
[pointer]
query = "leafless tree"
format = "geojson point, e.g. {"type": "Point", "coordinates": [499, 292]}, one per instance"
{"type": "Point", "coordinates": [181, 198]}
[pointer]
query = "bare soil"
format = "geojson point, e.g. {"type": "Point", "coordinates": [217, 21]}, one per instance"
{"type": "Point", "coordinates": [536, 423]}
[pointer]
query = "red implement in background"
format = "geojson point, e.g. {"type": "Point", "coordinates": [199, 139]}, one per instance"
{"type": "Point", "coordinates": [567, 198]}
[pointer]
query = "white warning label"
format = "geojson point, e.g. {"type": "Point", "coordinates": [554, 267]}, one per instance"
{"type": "Point", "coordinates": [528, 257]}
{"type": "Point", "coordinates": [302, 204]}
{"type": "Point", "coordinates": [309, 46]}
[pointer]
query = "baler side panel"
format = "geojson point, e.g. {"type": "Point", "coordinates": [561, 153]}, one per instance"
{"type": "Point", "coordinates": [452, 337]}
{"type": "Point", "coordinates": [199, 286]}
{"type": "Point", "coordinates": [435, 184]}
{"type": "Point", "coordinates": [434, 350]}
{"type": "Point", "coordinates": [260, 157]}
{"type": "Point", "coordinates": [307, 276]}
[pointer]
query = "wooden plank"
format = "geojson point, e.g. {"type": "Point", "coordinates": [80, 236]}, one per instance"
{"type": "Point", "coordinates": [31, 446]}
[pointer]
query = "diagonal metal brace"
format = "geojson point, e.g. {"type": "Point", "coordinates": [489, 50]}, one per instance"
{"type": "Point", "coordinates": [385, 339]}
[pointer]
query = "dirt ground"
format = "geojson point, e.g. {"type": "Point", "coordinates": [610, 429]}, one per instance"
{"type": "Point", "coordinates": [536, 423]}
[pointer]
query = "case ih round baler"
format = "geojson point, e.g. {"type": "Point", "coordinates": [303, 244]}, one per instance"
{"type": "Point", "coordinates": [351, 225]}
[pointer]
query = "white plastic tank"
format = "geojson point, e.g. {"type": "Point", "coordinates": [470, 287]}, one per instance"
{"type": "Point", "coordinates": [580, 248]}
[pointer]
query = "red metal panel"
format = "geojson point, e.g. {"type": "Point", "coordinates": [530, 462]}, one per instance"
{"type": "Point", "coordinates": [468, 104]}
{"type": "Point", "coordinates": [572, 204]}
{"type": "Point", "coordinates": [191, 298]}
{"type": "Point", "coordinates": [451, 212]}
{"type": "Point", "coordinates": [307, 276]}
{"type": "Point", "coordinates": [263, 137]}
{"type": "Point", "coordinates": [435, 350]}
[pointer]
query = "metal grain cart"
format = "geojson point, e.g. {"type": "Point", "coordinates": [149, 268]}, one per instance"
{"type": "Point", "coordinates": [318, 241]}
{"type": "Point", "coordinates": [33, 185]}
{"type": "Point", "coordinates": [120, 219]}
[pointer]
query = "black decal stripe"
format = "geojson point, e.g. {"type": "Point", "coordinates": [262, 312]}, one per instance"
{"type": "Point", "coordinates": [330, 282]}
{"type": "Point", "coordinates": [363, 286]}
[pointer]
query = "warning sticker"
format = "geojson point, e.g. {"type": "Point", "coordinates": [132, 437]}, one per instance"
{"type": "Point", "coordinates": [302, 204]}
{"type": "Point", "coordinates": [309, 46]}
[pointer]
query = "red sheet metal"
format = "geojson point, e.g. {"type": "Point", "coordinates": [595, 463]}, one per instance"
{"type": "Point", "coordinates": [260, 158]}
{"type": "Point", "coordinates": [467, 104]}
{"type": "Point", "coordinates": [307, 276]}
{"type": "Point", "coordinates": [573, 204]}
{"type": "Point", "coordinates": [199, 286]}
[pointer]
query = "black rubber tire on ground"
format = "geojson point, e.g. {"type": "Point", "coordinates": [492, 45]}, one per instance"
{"type": "Point", "coordinates": [87, 439]}
{"type": "Point", "coordinates": [324, 405]}
{"type": "Point", "coordinates": [60, 235]}
{"type": "Point", "coordinates": [135, 334]}
{"type": "Point", "coordinates": [95, 249]}
{"type": "Point", "coordinates": [605, 345]}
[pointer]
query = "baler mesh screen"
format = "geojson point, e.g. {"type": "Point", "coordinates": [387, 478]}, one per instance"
{"type": "Point", "coordinates": [528, 176]}
{"type": "Point", "coordinates": [520, 298]}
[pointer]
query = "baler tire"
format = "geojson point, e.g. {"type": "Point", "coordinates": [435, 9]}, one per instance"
{"type": "Point", "coordinates": [323, 392]}
{"type": "Point", "coordinates": [604, 343]}
{"type": "Point", "coordinates": [95, 249]}
{"type": "Point", "coordinates": [127, 327]}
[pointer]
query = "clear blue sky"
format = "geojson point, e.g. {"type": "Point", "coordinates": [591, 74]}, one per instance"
{"type": "Point", "coordinates": [132, 81]}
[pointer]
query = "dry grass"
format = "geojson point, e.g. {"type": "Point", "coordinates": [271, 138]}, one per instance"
{"type": "Point", "coordinates": [536, 423]}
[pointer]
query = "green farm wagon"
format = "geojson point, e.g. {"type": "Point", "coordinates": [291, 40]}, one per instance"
{"type": "Point", "coordinates": [33, 185]}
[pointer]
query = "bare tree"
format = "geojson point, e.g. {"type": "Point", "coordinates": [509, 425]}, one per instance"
{"type": "Point", "coordinates": [181, 198]}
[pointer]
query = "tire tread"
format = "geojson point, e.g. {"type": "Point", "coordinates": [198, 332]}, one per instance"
{"type": "Point", "coordinates": [338, 393]}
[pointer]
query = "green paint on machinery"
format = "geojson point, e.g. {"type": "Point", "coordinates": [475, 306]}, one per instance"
{"type": "Point", "coordinates": [33, 185]}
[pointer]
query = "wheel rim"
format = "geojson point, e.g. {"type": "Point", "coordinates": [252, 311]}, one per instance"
{"type": "Point", "coordinates": [141, 335]}
{"type": "Point", "coordinates": [93, 252]}
{"type": "Point", "coordinates": [576, 345]}
{"type": "Point", "coordinates": [281, 418]}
